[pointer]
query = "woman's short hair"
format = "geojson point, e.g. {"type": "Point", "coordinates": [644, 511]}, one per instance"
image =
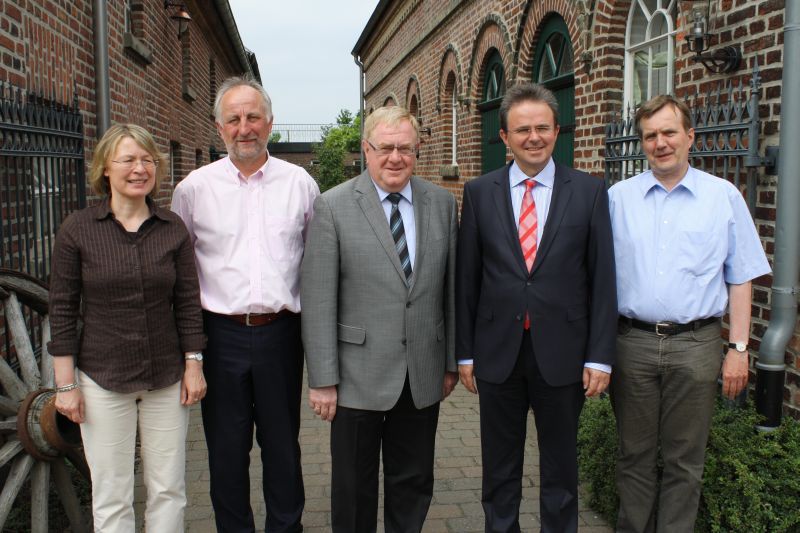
{"type": "Point", "coordinates": [107, 146]}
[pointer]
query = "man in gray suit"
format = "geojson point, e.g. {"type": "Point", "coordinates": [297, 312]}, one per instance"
{"type": "Point", "coordinates": [378, 322]}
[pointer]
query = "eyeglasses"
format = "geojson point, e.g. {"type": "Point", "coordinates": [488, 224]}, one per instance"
{"type": "Point", "coordinates": [385, 150]}
{"type": "Point", "coordinates": [541, 130]}
{"type": "Point", "coordinates": [129, 164]}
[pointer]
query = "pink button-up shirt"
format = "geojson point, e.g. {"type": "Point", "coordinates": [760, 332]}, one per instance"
{"type": "Point", "coordinates": [248, 234]}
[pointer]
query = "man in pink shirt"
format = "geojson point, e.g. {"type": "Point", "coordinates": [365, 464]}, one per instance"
{"type": "Point", "coordinates": [247, 216]}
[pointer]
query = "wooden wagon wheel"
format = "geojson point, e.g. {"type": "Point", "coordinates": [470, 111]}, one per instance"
{"type": "Point", "coordinates": [34, 438]}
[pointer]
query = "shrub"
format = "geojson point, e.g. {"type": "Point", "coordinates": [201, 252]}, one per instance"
{"type": "Point", "coordinates": [337, 140]}
{"type": "Point", "coordinates": [751, 481]}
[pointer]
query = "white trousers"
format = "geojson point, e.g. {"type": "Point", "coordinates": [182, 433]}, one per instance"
{"type": "Point", "coordinates": [109, 441]}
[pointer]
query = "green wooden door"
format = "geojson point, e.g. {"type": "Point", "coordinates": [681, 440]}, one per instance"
{"type": "Point", "coordinates": [553, 68]}
{"type": "Point", "coordinates": [493, 150]}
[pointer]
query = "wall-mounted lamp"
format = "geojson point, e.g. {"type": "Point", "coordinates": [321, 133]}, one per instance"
{"type": "Point", "coordinates": [181, 16]}
{"type": "Point", "coordinates": [725, 59]}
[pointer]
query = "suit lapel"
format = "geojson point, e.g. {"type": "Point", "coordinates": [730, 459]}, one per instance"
{"type": "Point", "coordinates": [422, 217]}
{"type": "Point", "coordinates": [367, 199]}
{"type": "Point", "coordinates": [562, 192]}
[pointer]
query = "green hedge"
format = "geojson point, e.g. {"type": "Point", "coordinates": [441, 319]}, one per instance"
{"type": "Point", "coordinates": [751, 482]}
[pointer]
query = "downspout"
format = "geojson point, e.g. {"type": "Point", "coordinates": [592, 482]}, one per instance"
{"type": "Point", "coordinates": [360, 103]}
{"type": "Point", "coordinates": [101, 83]}
{"type": "Point", "coordinates": [770, 368]}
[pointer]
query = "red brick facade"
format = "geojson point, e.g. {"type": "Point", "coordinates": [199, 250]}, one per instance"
{"type": "Point", "coordinates": [156, 80]}
{"type": "Point", "coordinates": [427, 49]}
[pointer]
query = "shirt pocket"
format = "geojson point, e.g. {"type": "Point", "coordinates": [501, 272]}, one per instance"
{"type": "Point", "coordinates": [284, 238]}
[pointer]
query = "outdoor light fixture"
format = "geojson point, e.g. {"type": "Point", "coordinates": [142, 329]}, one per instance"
{"type": "Point", "coordinates": [181, 16]}
{"type": "Point", "coordinates": [725, 59]}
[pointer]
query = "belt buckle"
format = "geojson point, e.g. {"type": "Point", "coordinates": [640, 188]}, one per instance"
{"type": "Point", "coordinates": [247, 320]}
{"type": "Point", "coordinates": [662, 325]}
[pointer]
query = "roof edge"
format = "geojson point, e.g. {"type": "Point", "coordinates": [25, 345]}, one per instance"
{"type": "Point", "coordinates": [247, 59]}
{"type": "Point", "coordinates": [366, 33]}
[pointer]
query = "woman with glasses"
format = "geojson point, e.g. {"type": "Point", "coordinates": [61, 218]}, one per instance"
{"type": "Point", "coordinates": [125, 267]}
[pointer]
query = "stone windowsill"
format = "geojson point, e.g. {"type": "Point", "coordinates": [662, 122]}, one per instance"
{"type": "Point", "coordinates": [135, 45]}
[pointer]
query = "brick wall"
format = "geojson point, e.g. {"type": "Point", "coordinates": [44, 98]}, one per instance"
{"type": "Point", "coordinates": [156, 81]}
{"type": "Point", "coordinates": [419, 45]}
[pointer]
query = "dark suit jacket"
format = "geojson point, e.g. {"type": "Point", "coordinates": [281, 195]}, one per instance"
{"type": "Point", "coordinates": [570, 294]}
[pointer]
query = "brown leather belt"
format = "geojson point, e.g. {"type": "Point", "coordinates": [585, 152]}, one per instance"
{"type": "Point", "coordinates": [666, 329]}
{"type": "Point", "coordinates": [259, 319]}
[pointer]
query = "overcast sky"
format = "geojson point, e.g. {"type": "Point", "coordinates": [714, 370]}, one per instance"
{"type": "Point", "coordinates": [303, 50]}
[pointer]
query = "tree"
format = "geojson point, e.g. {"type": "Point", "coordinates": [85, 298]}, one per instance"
{"type": "Point", "coordinates": [337, 140]}
{"type": "Point", "coordinates": [275, 137]}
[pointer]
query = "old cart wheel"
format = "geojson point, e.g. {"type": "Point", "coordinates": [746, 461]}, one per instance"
{"type": "Point", "coordinates": [34, 438]}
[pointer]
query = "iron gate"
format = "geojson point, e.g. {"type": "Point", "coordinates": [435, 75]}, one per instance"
{"type": "Point", "coordinates": [41, 182]}
{"type": "Point", "coordinates": [726, 126]}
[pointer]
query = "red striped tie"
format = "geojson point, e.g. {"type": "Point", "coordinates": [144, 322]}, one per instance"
{"type": "Point", "coordinates": [528, 226]}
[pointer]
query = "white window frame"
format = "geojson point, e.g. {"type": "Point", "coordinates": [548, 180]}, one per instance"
{"type": "Point", "coordinates": [663, 10]}
{"type": "Point", "coordinates": [454, 124]}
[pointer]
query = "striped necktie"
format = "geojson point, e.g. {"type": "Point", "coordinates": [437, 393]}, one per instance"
{"type": "Point", "coordinates": [399, 234]}
{"type": "Point", "coordinates": [528, 226]}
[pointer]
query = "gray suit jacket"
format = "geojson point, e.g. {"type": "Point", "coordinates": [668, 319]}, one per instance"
{"type": "Point", "coordinates": [364, 326]}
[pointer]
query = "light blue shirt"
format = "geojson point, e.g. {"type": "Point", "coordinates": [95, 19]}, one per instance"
{"type": "Point", "coordinates": [677, 251]}
{"type": "Point", "coordinates": [542, 194]}
{"type": "Point", "coordinates": [406, 207]}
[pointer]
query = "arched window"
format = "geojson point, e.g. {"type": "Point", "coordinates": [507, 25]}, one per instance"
{"type": "Point", "coordinates": [413, 106]}
{"type": "Point", "coordinates": [449, 120]}
{"type": "Point", "coordinates": [493, 150]}
{"type": "Point", "coordinates": [553, 67]}
{"type": "Point", "coordinates": [649, 50]}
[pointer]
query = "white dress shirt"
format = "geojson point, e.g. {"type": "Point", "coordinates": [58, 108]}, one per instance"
{"type": "Point", "coordinates": [248, 234]}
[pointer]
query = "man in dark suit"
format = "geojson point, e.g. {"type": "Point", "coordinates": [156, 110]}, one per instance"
{"type": "Point", "coordinates": [377, 286]}
{"type": "Point", "coordinates": [535, 310]}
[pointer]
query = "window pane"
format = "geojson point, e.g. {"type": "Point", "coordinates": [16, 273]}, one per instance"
{"type": "Point", "coordinates": [660, 59]}
{"type": "Point", "coordinates": [649, 66]}
{"type": "Point", "coordinates": [546, 66]}
{"type": "Point", "coordinates": [566, 61]}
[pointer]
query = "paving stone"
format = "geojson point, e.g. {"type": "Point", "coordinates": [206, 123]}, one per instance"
{"type": "Point", "coordinates": [455, 508]}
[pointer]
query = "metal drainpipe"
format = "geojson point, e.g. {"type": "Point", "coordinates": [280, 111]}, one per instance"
{"type": "Point", "coordinates": [361, 102]}
{"type": "Point", "coordinates": [101, 83]}
{"type": "Point", "coordinates": [783, 316]}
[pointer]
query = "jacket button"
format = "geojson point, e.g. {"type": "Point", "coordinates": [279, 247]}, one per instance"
{"type": "Point", "coordinates": [403, 342]}
{"type": "Point", "coordinates": [518, 317]}
{"type": "Point", "coordinates": [408, 304]}
{"type": "Point", "coordinates": [528, 283]}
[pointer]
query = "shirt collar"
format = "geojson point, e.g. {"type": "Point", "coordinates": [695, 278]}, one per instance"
{"type": "Point", "coordinates": [405, 192]}
{"type": "Point", "coordinates": [546, 177]}
{"type": "Point", "coordinates": [103, 209]}
{"type": "Point", "coordinates": [689, 182]}
{"type": "Point", "coordinates": [240, 179]}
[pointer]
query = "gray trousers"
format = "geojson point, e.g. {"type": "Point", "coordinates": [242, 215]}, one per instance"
{"type": "Point", "coordinates": [663, 391]}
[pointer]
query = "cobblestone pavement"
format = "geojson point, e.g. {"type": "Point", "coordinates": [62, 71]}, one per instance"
{"type": "Point", "coordinates": [456, 504]}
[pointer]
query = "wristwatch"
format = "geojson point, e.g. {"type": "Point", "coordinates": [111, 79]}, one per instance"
{"type": "Point", "coordinates": [740, 347]}
{"type": "Point", "coordinates": [197, 356]}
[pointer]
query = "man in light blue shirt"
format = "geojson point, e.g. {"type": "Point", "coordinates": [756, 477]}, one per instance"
{"type": "Point", "coordinates": [686, 249]}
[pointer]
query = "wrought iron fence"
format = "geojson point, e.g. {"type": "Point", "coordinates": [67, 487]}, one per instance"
{"type": "Point", "coordinates": [41, 181]}
{"type": "Point", "coordinates": [726, 144]}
